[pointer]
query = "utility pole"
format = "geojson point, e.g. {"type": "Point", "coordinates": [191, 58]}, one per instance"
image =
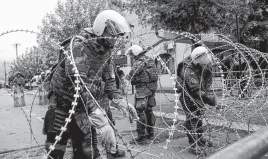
{"type": "Point", "coordinates": [238, 38]}
{"type": "Point", "coordinates": [16, 46]}
{"type": "Point", "coordinates": [5, 72]}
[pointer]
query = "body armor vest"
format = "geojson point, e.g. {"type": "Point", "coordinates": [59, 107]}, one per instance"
{"type": "Point", "coordinates": [94, 61]}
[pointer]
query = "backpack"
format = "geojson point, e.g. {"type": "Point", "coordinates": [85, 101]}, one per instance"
{"type": "Point", "coordinates": [147, 75]}
{"type": "Point", "coordinates": [151, 70]}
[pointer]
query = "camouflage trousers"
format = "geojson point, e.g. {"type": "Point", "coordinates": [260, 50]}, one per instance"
{"type": "Point", "coordinates": [193, 124]}
{"type": "Point", "coordinates": [144, 108]}
{"type": "Point", "coordinates": [81, 133]}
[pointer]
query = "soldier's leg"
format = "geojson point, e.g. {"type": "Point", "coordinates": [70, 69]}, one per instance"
{"type": "Point", "coordinates": [150, 121]}
{"type": "Point", "coordinates": [150, 117]}
{"type": "Point", "coordinates": [187, 106]}
{"type": "Point", "coordinates": [77, 140]}
{"type": "Point", "coordinates": [141, 104]}
{"type": "Point", "coordinates": [54, 129]}
{"type": "Point", "coordinates": [81, 135]}
{"type": "Point", "coordinates": [200, 132]}
{"type": "Point", "coordinates": [190, 124]}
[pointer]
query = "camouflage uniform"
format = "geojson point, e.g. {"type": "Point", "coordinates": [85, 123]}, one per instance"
{"type": "Point", "coordinates": [196, 84]}
{"type": "Point", "coordinates": [19, 81]}
{"type": "Point", "coordinates": [92, 58]}
{"type": "Point", "coordinates": [144, 97]}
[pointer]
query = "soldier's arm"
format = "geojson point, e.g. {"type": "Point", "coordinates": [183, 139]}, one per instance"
{"type": "Point", "coordinates": [79, 55]}
{"type": "Point", "coordinates": [136, 69]}
{"type": "Point", "coordinates": [110, 84]}
{"type": "Point", "coordinates": [192, 81]}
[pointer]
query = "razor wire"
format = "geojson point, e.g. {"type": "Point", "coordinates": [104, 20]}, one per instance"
{"type": "Point", "coordinates": [226, 107]}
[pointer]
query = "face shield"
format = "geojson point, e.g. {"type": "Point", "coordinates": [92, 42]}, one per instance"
{"type": "Point", "coordinates": [115, 29]}
{"type": "Point", "coordinates": [205, 60]}
{"type": "Point", "coordinates": [119, 30]}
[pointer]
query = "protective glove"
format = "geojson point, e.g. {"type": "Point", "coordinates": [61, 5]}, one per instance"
{"type": "Point", "coordinates": [106, 140]}
{"type": "Point", "coordinates": [210, 100]}
{"type": "Point", "coordinates": [99, 118]}
{"type": "Point", "coordinates": [125, 108]}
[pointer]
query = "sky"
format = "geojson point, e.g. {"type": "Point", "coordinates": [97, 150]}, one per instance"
{"type": "Point", "coordinates": [21, 14]}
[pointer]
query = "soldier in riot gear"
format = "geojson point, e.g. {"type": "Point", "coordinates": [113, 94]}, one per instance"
{"type": "Point", "coordinates": [18, 79]}
{"type": "Point", "coordinates": [91, 53]}
{"type": "Point", "coordinates": [194, 80]}
{"type": "Point", "coordinates": [144, 76]}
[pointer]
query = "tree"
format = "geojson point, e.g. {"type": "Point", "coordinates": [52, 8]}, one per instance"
{"type": "Point", "coordinates": [193, 16]}
{"type": "Point", "coordinates": [68, 18]}
{"type": "Point", "coordinates": [245, 22]}
{"type": "Point", "coordinates": [256, 29]}
{"type": "Point", "coordinates": [240, 20]}
{"type": "Point", "coordinates": [30, 63]}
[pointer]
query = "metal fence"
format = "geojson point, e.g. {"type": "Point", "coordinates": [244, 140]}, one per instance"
{"type": "Point", "coordinates": [254, 146]}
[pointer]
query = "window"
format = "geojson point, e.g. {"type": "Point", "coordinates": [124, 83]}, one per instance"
{"type": "Point", "coordinates": [169, 61]}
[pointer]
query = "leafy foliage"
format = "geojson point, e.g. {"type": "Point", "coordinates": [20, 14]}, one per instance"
{"type": "Point", "coordinates": [193, 16]}
{"type": "Point", "coordinates": [33, 62]}
{"type": "Point", "coordinates": [68, 18]}
{"type": "Point", "coordinates": [201, 16]}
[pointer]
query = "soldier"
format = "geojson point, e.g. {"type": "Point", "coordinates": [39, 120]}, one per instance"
{"type": "Point", "coordinates": [195, 76]}
{"type": "Point", "coordinates": [92, 57]}
{"type": "Point", "coordinates": [144, 76]}
{"type": "Point", "coordinates": [18, 79]}
{"type": "Point", "coordinates": [42, 78]}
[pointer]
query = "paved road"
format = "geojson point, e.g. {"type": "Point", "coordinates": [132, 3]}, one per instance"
{"type": "Point", "coordinates": [15, 123]}
{"type": "Point", "coordinates": [15, 129]}
{"type": "Point", "coordinates": [17, 140]}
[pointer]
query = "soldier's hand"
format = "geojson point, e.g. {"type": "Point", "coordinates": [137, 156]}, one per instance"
{"type": "Point", "coordinates": [125, 108]}
{"type": "Point", "coordinates": [127, 77]}
{"type": "Point", "coordinates": [220, 106]}
{"type": "Point", "coordinates": [106, 139]}
{"type": "Point", "coordinates": [211, 101]}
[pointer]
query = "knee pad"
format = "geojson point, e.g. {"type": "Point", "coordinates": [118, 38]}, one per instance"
{"type": "Point", "coordinates": [141, 104]}
{"type": "Point", "coordinates": [149, 110]}
{"type": "Point", "coordinates": [56, 154]}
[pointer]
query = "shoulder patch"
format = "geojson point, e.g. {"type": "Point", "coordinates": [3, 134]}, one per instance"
{"type": "Point", "coordinates": [194, 81]}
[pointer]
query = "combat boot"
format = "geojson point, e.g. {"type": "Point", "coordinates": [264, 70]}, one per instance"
{"type": "Point", "coordinates": [141, 140]}
{"type": "Point", "coordinates": [150, 136]}
{"type": "Point", "coordinates": [204, 142]}
{"type": "Point", "coordinates": [196, 150]}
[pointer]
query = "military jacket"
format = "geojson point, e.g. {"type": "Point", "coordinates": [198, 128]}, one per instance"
{"type": "Point", "coordinates": [137, 71]}
{"type": "Point", "coordinates": [95, 67]}
{"type": "Point", "coordinates": [197, 80]}
{"type": "Point", "coordinates": [18, 81]}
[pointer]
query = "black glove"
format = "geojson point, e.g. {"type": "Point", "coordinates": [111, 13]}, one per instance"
{"type": "Point", "coordinates": [210, 100]}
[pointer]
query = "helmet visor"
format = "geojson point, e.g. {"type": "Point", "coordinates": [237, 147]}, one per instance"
{"type": "Point", "coordinates": [117, 29]}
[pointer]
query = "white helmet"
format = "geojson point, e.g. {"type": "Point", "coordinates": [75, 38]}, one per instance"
{"type": "Point", "coordinates": [201, 55]}
{"type": "Point", "coordinates": [42, 73]}
{"type": "Point", "coordinates": [113, 20]}
{"type": "Point", "coordinates": [135, 50]}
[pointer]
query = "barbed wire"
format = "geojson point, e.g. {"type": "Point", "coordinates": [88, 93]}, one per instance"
{"type": "Point", "coordinates": [173, 128]}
